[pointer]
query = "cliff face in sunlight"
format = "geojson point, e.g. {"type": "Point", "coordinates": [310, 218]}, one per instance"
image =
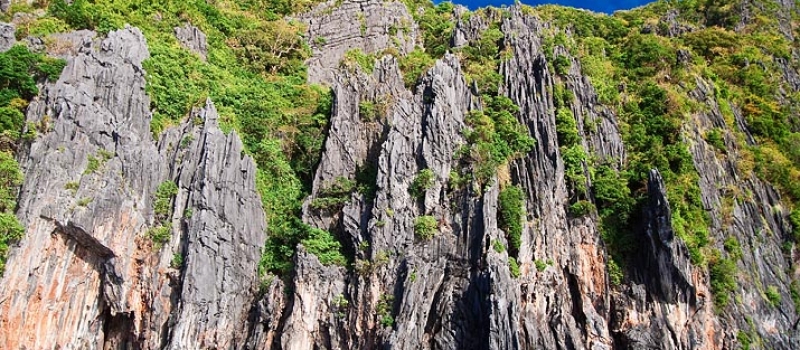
{"type": "Point", "coordinates": [516, 178]}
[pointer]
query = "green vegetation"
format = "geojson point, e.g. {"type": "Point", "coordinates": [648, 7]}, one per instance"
{"type": "Point", "coordinates": [498, 246]}
{"type": "Point", "coordinates": [163, 199]}
{"type": "Point", "coordinates": [773, 296]}
{"type": "Point", "coordinates": [425, 227]}
{"type": "Point", "coordinates": [794, 291]}
{"type": "Point", "coordinates": [581, 208]}
{"type": "Point", "coordinates": [11, 231]}
{"type": "Point", "coordinates": [377, 110]}
{"type": "Point", "coordinates": [160, 235]}
{"type": "Point", "coordinates": [20, 69]}
{"type": "Point", "coordinates": [436, 23]}
{"type": "Point", "coordinates": [356, 57]}
{"type": "Point", "coordinates": [614, 53]}
{"type": "Point", "coordinates": [384, 310]}
{"type": "Point", "coordinates": [513, 267]}
{"type": "Point", "coordinates": [72, 186]}
{"type": "Point", "coordinates": [93, 164]}
{"type": "Point", "coordinates": [723, 279]}
{"type": "Point", "coordinates": [177, 261]}
{"type": "Point", "coordinates": [340, 304]}
{"type": "Point", "coordinates": [254, 74]}
{"type": "Point", "coordinates": [572, 152]}
{"type": "Point", "coordinates": [562, 65]}
{"type": "Point", "coordinates": [186, 141]}
{"type": "Point", "coordinates": [540, 265]}
{"type": "Point", "coordinates": [10, 178]}
{"type": "Point", "coordinates": [413, 65]}
{"type": "Point", "coordinates": [714, 137]}
{"type": "Point", "coordinates": [367, 111]}
{"type": "Point", "coordinates": [744, 340]}
{"type": "Point", "coordinates": [83, 202]}
{"type": "Point", "coordinates": [325, 246]}
{"type": "Point", "coordinates": [511, 213]}
{"type": "Point", "coordinates": [161, 232]}
{"type": "Point", "coordinates": [256, 77]}
{"type": "Point", "coordinates": [335, 195]}
{"type": "Point", "coordinates": [496, 138]}
{"type": "Point", "coordinates": [731, 246]}
{"type": "Point", "coordinates": [281, 247]}
{"type": "Point", "coordinates": [422, 182]}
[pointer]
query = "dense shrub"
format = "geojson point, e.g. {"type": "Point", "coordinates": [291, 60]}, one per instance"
{"type": "Point", "coordinates": [163, 199]}
{"type": "Point", "coordinates": [10, 178]}
{"type": "Point", "coordinates": [20, 69]}
{"type": "Point", "coordinates": [384, 310]}
{"type": "Point", "coordinates": [773, 296]}
{"type": "Point", "coordinates": [561, 64]}
{"type": "Point", "coordinates": [422, 182]}
{"type": "Point", "coordinates": [356, 57]}
{"type": "Point", "coordinates": [334, 195]}
{"type": "Point", "coordinates": [367, 111]}
{"type": "Point", "coordinates": [715, 138]}
{"type": "Point", "coordinates": [413, 65]}
{"type": "Point", "coordinates": [271, 47]}
{"type": "Point", "coordinates": [435, 22]}
{"type": "Point", "coordinates": [566, 128]}
{"type": "Point", "coordinates": [511, 214]}
{"type": "Point", "coordinates": [10, 232]}
{"type": "Point", "coordinates": [425, 227]}
{"type": "Point", "coordinates": [496, 137]}
{"type": "Point", "coordinates": [723, 279]}
{"type": "Point", "coordinates": [160, 235]}
{"type": "Point", "coordinates": [325, 246]}
{"type": "Point", "coordinates": [513, 267]}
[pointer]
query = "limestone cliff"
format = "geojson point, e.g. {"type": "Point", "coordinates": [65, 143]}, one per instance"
{"type": "Point", "coordinates": [141, 242]}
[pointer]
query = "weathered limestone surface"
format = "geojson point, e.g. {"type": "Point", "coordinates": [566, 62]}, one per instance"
{"type": "Point", "coordinates": [89, 276]}
{"type": "Point", "coordinates": [80, 258]}
{"type": "Point", "coordinates": [193, 39]}
{"type": "Point", "coordinates": [7, 38]}
{"type": "Point", "coordinates": [372, 26]}
{"type": "Point", "coordinates": [86, 276]}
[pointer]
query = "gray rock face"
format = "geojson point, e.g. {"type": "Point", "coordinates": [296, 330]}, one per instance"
{"type": "Point", "coordinates": [469, 29]}
{"type": "Point", "coordinates": [89, 274]}
{"type": "Point", "coordinates": [314, 318]}
{"type": "Point", "coordinates": [87, 202]}
{"type": "Point", "coordinates": [97, 121]}
{"type": "Point", "coordinates": [7, 38]}
{"type": "Point", "coordinates": [567, 304]}
{"type": "Point", "coordinates": [221, 227]}
{"type": "Point", "coordinates": [4, 5]}
{"type": "Point", "coordinates": [192, 39]}
{"type": "Point", "coordinates": [564, 305]}
{"type": "Point", "coordinates": [744, 209]}
{"type": "Point", "coordinates": [670, 26]}
{"type": "Point", "coordinates": [455, 291]}
{"type": "Point", "coordinates": [335, 27]}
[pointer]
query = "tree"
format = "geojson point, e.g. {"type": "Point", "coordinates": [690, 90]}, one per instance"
{"type": "Point", "coordinates": [272, 47]}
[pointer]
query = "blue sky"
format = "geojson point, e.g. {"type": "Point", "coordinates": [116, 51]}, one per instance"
{"type": "Point", "coordinates": [607, 6]}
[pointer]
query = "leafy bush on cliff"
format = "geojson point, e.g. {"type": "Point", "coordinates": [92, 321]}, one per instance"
{"type": "Point", "coordinates": [511, 214]}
